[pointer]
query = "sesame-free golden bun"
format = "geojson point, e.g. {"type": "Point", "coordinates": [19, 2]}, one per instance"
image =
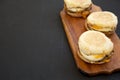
{"type": "Point", "coordinates": [103, 21]}
{"type": "Point", "coordinates": [78, 8]}
{"type": "Point", "coordinates": [95, 47]}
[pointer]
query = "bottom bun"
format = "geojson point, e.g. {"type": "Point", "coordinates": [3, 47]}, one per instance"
{"type": "Point", "coordinates": [104, 60]}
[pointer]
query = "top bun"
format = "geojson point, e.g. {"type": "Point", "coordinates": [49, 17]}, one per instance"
{"type": "Point", "coordinates": [81, 4]}
{"type": "Point", "coordinates": [102, 21]}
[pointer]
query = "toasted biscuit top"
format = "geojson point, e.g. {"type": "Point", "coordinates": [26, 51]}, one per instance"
{"type": "Point", "coordinates": [94, 42]}
{"type": "Point", "coordinates": [105, 20]}
{"type": "Point", "coordinates": [81, 4]}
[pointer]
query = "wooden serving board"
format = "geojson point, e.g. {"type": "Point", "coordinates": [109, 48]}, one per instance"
{"type": "Point", "coordinates": [74, 27]}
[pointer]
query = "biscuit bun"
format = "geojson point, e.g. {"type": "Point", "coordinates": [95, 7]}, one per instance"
{"type": "Point", "coordinates": [95, 47]}
{"type": "Point", "coordinates": [103, 21]}
{"type": "Point", "coordinates": [78, 8]}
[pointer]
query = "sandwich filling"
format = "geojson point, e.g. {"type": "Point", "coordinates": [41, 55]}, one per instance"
{"type": "Point", "coordinates": [76, 12]}
{"type": "Point", "coordinates": [100, 28]}
{"type": "Point", "coordinates": [106, 30]}
{"type": "Point", "coordinates": [97, 58]}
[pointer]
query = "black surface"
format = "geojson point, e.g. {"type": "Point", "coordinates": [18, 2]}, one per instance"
{"type": "Point", "coordinates": [33, 44]}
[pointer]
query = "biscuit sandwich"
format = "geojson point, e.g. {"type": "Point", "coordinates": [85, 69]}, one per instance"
{"type": "Point", "coordinates": [95, 47]}
{"type": "Point", "coordinates": [103, 21]}
{"type": "Point", "coordinates": [78, 8]}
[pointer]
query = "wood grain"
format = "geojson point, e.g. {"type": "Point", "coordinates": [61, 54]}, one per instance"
{"type": "Point", "coordinates": [74, 27]}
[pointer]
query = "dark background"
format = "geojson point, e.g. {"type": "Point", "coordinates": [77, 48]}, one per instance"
{"type": "Point", "coordinates": [33, 44]}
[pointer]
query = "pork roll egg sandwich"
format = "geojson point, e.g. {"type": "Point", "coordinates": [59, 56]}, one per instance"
{"type": "Point", "coordinates": [95, 47]}
{"type": "Point", "coordinates": [103, 21]}
{"type": "Point", "coordinates": [78, 8]}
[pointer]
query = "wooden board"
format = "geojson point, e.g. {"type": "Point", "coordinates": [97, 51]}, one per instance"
{"type": "Point", "coordinates": [74, 27]}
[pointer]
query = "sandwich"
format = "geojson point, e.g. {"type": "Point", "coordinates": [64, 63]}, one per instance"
{"type": "Point", "coordinates": [95, 47]}
{"type": "Point", "coordinates": [78, 8]}
{"type": "Point", "coordinates": [103, 21]}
